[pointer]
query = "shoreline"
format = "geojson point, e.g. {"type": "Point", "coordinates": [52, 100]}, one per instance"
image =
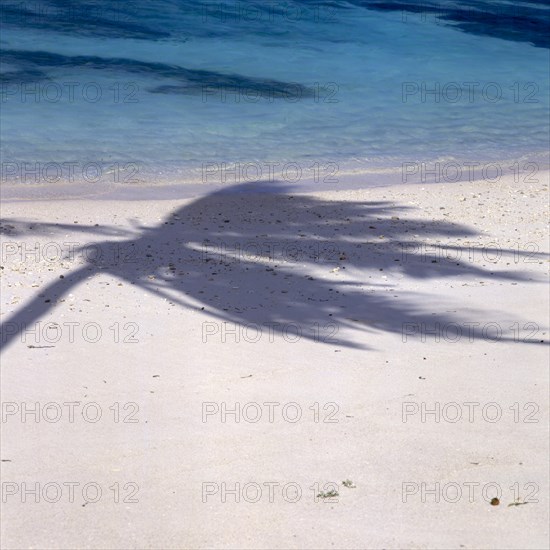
{"type": "Point", "coordinates": [297, 179]}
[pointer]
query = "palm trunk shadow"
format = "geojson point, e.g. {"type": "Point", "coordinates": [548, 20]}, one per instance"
{"type": "Point", "coordinates": [36, 308]}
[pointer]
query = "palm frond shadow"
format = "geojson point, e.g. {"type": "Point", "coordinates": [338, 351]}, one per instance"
{"type": "Point", "coordinates": [268, 259]}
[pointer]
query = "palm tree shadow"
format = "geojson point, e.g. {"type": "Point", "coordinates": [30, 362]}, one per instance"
{"type": "Point", "coordinates": [277, 260]}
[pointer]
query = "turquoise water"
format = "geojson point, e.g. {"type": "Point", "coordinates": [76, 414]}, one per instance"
{"type": "Point", "coordinates": [155, 91]}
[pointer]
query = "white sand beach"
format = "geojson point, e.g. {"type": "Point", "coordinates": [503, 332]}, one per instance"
{"type": "Point", "coordinates": [394, 339]}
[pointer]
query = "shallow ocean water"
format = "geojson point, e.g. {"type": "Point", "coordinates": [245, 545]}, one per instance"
{"type": "Point", "coordinates": [179, 90]}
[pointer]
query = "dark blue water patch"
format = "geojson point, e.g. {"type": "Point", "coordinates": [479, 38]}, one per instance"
{"type": "Point", "coordinates": [523, 21]}
{"type": "Point", "coordinates": [142, 19]}
{"type": "Point", "coordinates": [214, 83]}
{"type": "Point", "coordinates": [22, 77]}
{"type": "Point", "coordinates": [191, 81]}
{"type": "Point", "coordinates": [76, 19]}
